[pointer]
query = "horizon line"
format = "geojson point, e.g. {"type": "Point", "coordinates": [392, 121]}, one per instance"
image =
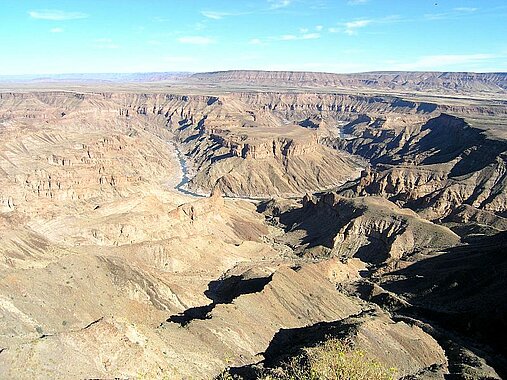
{"type": "Point", "coordinates": [120, 73]}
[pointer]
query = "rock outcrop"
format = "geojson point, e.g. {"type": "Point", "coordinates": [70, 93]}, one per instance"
{"type": "Point", "coordinates": [372, 229]}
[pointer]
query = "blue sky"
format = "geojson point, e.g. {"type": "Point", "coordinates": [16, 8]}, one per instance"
{"type": "Point", "coordinates": [49, 37]}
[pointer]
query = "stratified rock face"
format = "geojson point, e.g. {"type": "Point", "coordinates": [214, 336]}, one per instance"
{"type": "Point", "coordinates": [250, 133]}
{"type": "Point", "coordinates": [257, 144]}
{"type": "Point", "coordinates": [433, 167]}
{"type": "Point", "coordinates": [279, 167]}
{"type": "Point", "coordinates": [408, 81]}
{"type": "Point", "coordinates": [277, 148]}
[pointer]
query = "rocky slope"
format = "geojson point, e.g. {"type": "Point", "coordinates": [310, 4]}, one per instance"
{"type": "Point", "coordinates": [237, 140]}
{"type": "Point", "coordinates": [201, 265]}
{"type": "Point", "coordinates": [282, 139]}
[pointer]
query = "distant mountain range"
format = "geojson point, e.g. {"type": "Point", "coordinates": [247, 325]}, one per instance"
{"type": "Point", "coordinates": [437, 82]}
{"type": "Point", "coordinates": [97, 77]}
{"type": "Point", "coordinates": [414, 81]}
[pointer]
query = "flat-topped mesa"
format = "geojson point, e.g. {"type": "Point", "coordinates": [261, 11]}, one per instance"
{"type": "Point", "coordinates": [280, 147]}
{"type": "Point", "coordinates": [418, 81]}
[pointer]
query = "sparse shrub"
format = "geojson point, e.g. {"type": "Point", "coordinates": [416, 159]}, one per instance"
{"type": "Point", "coordinates": [226, 376]}
{"type": "Point", "coordinates": [332, 360]}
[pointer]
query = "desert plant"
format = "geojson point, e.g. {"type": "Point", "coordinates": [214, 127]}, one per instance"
{"type": "Point", "coordinates": [331, 360]}
{"type": "Point", "coordinates": [334, 360]}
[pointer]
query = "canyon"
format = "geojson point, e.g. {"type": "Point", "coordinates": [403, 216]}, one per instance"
{"type": "Point", "coordinates": [185, 226]}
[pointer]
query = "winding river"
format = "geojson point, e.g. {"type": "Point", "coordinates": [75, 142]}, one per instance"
{"type": "Point", "coordinates": [182, 185]}
{"type": "Point", "coordinates": [185, 179]}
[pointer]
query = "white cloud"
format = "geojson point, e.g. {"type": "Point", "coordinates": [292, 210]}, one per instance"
{"type": "Point", "coordinates": [436, 16]}
{"type": "Point", "coordinates": [105, 43]}
{"type": "Point", "coordinates": [318, 28]}
{"type": "Point", "coordinates": [288, 37]}
{"type": "Point", "coordinates": [455, 13]}
{"type": "Point", "coordinates": [352, 26]}
{"type": "Point", "coordinates": [255, 41]}
{"type": "Point", "coordinates": [276, 4]}
{"type": "Point", "coordinates": [357, 24]}
{"type": "Point", "coordinates": [465, 9]}
{"type": "Point", "coordinates": [196, 40]}
{"type": "Point", "coordinates": [215, 15]}
{"type": "Point", "coordinates": [218, 15]}
{"type": "Point", "coordinates": [56, 30]}
{"type": "Point", "coordinates": [303, 30]}
{"type": "Point", "coordinates": [310, 36]}
{"type": "Point", "coordinates": [56, 15]}
{"type": "Point", "coordinates": [357, 2]}
{"type": "Point", "coordinates": [293, 37]}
